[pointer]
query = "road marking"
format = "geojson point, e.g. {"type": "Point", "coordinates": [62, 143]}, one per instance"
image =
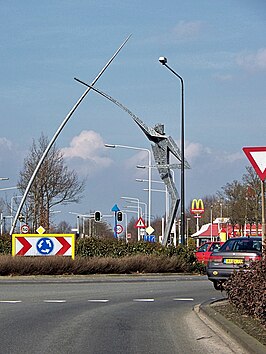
{"type": "Point", "coordinates": [54, 301]}
{"type": "Point", "coordinates": [10, 301]}
{"type": "Point", "coordinates": [184, 299]}
{"type": "Point", "coordinates": [143, 300]}
{"type": "Point", "coordinates": [98, 300]}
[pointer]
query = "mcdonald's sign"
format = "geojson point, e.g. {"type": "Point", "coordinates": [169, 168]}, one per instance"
{"type": "Point", "coordinates": [197, 207]}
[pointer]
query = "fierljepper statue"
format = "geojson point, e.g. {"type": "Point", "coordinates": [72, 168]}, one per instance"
{"type": "Point", "coordinates": [162, 146]}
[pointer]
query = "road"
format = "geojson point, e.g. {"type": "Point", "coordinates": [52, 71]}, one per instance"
{"type": "Point", "coordinates": [114, 314]}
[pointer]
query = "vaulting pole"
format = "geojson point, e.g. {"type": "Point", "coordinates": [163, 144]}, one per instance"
{"type": "Point", "coordinates": [58, 132]}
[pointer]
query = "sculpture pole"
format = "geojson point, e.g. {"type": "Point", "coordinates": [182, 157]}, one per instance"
{"type": "Point", "coordinates": [66, 119]}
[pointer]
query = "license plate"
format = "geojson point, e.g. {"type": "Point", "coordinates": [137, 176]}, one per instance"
{"type": "Point", "coordinates": [233, 261]}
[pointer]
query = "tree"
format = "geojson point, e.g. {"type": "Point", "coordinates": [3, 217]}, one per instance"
{"type": "Point", "coordinates": [253, 196]}
{"type": "Point", "coordinates": [234, 193]}
{"type": "Point", "coordinates": [54, 183]}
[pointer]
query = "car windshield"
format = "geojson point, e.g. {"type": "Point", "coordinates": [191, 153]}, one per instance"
{"type": "Point", "coordinates": [241, 245]}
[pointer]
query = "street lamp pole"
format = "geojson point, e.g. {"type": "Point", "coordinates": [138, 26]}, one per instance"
{"type": "Point", "coordinates": [137, 199]}
{"type": "Point", "coordinates": [163, 61]}
{"type": "Point", "coordinates": [149, 171]}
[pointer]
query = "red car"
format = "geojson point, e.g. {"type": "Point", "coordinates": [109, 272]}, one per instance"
{"type": "Point", "coordinates": [204, 251]}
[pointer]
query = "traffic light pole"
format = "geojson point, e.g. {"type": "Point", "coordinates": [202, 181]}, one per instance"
{"type": "Point", "coordinates": [115, 223]}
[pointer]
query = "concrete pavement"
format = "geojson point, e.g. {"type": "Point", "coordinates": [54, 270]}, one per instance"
{"type": "Point", "coordinates": [237, 338]}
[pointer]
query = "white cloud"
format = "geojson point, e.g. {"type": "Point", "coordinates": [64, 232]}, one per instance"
{"type": "Point", "coordinates": [194, 150]}
{"type": "Point", "coordinates": [223, 77]}
{"type": "Point", "coordinates": [187, 29]}
{"type": "Point", "coordinates": [88, 146]}
{"type": "Point", "coordinates": [253, 61]}
{"type": "Point", "coordinates": [140, 158]}
{"type": "Point", "coordinates": [5, 144]}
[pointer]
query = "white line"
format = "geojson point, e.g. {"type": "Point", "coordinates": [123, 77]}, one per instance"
{"type": "Point", "coordinates": [10, 301]}
{"type": "Point", "coordinates": [184, 299]}
{"type": "Point", "coordinates": [143, 300]}
{"type": "Point", "coordinates": [98, 300]}
{"type": "Point", "coordinates": [54, 301]}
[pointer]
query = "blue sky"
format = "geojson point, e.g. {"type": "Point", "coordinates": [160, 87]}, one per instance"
{"type": "Point", "coordinates": [218, 47]}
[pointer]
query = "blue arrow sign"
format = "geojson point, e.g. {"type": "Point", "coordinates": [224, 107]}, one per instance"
{"type": "Point", "coordinates": [115, 208]}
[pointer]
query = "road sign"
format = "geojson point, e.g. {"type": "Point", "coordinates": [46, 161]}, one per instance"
{"type": "Point", "coordinates": [149, 238]}
{"type": "Point", "coordinates": [24, 229]}
{"type": "Point", "coordinates": [257, 158]}
{"type": "Point", "coordinates": [140, 224]}
{"type": "Point", "coordinates": [115, 208]}
{"type": "Point", "coordinates": [149, 230]}
{"type": "Point", "coordinates": [43, 245]}
{"type": "Point", "coordinates": [119, 229]}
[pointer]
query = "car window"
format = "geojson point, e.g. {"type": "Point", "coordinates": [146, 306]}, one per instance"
{"type": "Point", "coordinates": [214, 247]}
{"type": "Point", "coordinates": [257, 245]}
{"type": "Point", "coordinates": [228, 246]}
{"type": "Point", "coordinates": [241, 245]}
{"type": "Point", "coordinates": [203, 248]}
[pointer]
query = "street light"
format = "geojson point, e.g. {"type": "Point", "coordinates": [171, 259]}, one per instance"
{"type": "Point", "coordinates": [163, 61]}
{"type": "Point", "coordinates": [137, 199]}
{"type": "Point", "coordinates": [149, 171]}
{"type": "Point", "coordinates": [155, 190]}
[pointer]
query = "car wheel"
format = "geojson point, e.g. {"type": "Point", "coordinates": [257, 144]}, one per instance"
{"type": "Point", "coordinates": [218, 285]}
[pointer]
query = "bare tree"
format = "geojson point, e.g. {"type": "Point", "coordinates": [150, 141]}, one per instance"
{"type": "Point", "coordinates": [252, 184]}
{"type": "Point", "coordinates": [55, 183]}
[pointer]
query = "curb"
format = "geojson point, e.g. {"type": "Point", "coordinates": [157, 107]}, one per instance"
{"type": "Point", "coordinates": [252, 345]}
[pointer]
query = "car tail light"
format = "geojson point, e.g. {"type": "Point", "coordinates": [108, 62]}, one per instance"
{"type": "Point", "coordinates": [252, 258]}
{"type": "Point", "coordinates": [215, 258]}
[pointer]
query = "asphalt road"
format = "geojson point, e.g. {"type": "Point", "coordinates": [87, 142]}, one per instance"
{"type": "Point", "coordinates": [115, 314]}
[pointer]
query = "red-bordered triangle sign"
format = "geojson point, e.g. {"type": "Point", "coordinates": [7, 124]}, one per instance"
{"type": "Point", "coordinates": [257, 158]}
{"type": "Point", "coordinates": [140, 224]}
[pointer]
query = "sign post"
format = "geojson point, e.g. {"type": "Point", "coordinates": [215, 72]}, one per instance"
{"type": "Point", "coordinates": [257, 158]}
{"type": "Point", "coordinates": [115, 209]}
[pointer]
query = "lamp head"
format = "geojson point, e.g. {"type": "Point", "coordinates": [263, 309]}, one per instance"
{"type": "Point", "coordinates": [163, 60]}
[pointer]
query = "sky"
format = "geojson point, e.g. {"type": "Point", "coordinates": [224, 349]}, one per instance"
{"type": "Point", "coordinates": [217, 47]}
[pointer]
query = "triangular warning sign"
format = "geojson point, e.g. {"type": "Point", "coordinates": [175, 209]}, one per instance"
{"type": "Point", "coordinates": [140, 224]}
{"type": "Point", "coordinates": [257, 158]}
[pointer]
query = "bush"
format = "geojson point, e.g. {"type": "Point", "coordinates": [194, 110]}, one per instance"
{"type": "Point", "coordinates": [102, 256]}
{"type": "Point", "coordinates": [55, 265]}
{"type": "Point", "coordinates": [5, 244]}
{"type": "Point", "coordinates": [246, 290]}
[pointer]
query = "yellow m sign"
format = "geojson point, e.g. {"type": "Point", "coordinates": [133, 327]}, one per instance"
{"type": "Point", "coordinates": [197, 206]}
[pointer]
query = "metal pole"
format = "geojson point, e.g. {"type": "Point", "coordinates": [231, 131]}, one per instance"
{"type": "Point", "coordinates": [183, 220]}
{"type": "Point", "coordinates": [149, 171]}
{"type": "Point", "coordinates": [263, 214]}
{"type": "Point", "coordinates": [58, 132]}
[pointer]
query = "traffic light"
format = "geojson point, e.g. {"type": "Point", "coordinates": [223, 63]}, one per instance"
{"type": "Point", "coordinates": [21, 218]}
{"type": "Point", "coordinates": [119, 216]}
{"type": "Point", "coordinates": [97, 216]}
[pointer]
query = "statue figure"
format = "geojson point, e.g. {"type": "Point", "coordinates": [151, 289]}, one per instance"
{"type": "Point", "coordinates": [162, 145]}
